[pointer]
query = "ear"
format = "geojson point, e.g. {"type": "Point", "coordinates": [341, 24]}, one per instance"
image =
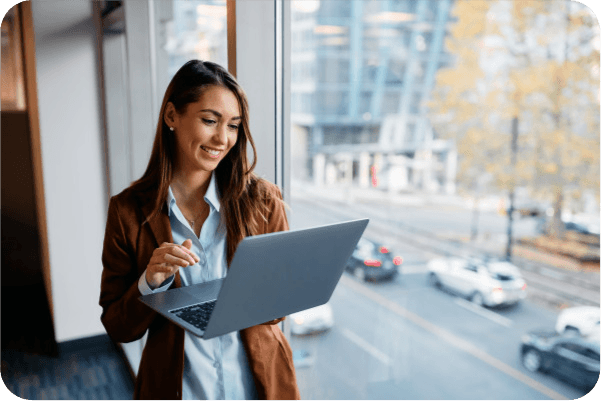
{"type": "Point", "coordinates": [170, 115]}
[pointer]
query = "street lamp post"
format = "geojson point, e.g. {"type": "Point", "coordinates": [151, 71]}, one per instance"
{"type": "Point", "coordinates": [514, 150]}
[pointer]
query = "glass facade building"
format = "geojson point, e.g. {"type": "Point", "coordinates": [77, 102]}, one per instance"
{"type": "Point", "coordinates": [362, 73]}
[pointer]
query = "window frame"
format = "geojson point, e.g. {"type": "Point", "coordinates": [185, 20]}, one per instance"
{"type": "Point", "coordinates": [259, 57]}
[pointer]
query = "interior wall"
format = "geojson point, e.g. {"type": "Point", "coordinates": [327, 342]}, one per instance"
{"type": "Point", "coordinates": [20, 241]}
{"type": "Point", "coordinates": [73, 161]}
{"type": "Point", "coordinates": [23, 291]}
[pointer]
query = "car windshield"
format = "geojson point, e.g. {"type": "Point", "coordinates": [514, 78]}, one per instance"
{"type": "Point", "coordinates": [502, 276]}
{"type": "Point", "coordinates": [503, 271]}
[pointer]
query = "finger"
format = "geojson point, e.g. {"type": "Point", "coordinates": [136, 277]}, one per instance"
{"type": "Point", "coordinates": [174, 260]}
{"type": "Point", "coordinates": [165, 269]}
{"type": "Point", "coordinates": [187, 246]}
{"type": "Point", "coordinates": [183, 253]}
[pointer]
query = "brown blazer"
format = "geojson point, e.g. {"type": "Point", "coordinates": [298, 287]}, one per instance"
{"type": "Point", "coordinates": [128, 247]}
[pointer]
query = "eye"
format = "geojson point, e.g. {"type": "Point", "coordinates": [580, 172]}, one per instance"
{"type": "Point", "coordinates": [233, 127]}
{"type": "Point", "coordinates": [208, 121]}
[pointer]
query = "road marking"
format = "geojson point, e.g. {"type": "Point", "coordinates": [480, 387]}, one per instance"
{"type": "Point", "coordinates": [495, 317]}
{"type": "Point", "coordinates": [450, 338]}
{"type": "Point", "coordinates": [376, 353]}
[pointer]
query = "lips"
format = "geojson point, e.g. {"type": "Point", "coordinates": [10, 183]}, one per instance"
{"type": "Point", "coordinates": [211, 152]}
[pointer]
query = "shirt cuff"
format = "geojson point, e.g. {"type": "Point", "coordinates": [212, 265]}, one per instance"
{"type": "Point", "coordinates": [145, 288]}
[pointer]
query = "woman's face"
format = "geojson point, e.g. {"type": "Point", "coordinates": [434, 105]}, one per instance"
{"type": "Point", "coordinates": [207, 129]}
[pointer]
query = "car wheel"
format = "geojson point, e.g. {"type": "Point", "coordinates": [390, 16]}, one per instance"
{"type": "Point", "coordinates": [433, 278]}
{"type": "Point", "coordinates": [532, 360]}
{"type": "Point", "coordinates": [359, 273]}
{"type": "Point", "coordinates": [477, 299]}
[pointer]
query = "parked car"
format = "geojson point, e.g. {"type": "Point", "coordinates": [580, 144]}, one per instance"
{"type": "Point", "coordinates": [574, 359]}
{"type": "Point", "coordinates": [486, 283]}
{"type": "Point", "coordinates": [371, 261]}
{"type": "Point", "coordinates": [580, 320]}
{"type": "Point", "coordinates": [319, 318]}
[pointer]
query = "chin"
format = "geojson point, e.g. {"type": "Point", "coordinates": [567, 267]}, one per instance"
{"type": "Point", "coordinates": [208, 166]}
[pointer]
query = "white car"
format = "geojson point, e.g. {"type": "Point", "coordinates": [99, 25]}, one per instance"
{"type": "Point", "coordinates": [311, 320]}
{"type": "Point", "coordinates": [582, 320]}
{"type": "Point", "coordinates": [490, 283]}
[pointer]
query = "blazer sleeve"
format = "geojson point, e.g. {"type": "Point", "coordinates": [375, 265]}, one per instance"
{"type": "Point", "coordinates": [277, 221]}
{"type": "Point", "coordinates": [124, 317]}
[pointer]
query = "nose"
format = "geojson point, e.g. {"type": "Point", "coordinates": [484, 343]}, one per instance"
{"type": "Point", "coordinates": [221, 134]}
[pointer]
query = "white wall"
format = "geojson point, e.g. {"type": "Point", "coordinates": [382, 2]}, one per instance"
{"type": "Point", "coordinates": [72, 160]}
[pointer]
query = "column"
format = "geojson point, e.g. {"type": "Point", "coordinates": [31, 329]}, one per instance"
{"type": "Point", "coordinates": [451, 171]}
{"type": "Point", "coordinates": [364, 173]}
{"type": "Point", "coordinates": [319, 165]}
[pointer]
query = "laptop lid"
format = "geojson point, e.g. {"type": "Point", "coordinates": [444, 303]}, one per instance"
{"type": "Point", "coordinates": [274, 275]}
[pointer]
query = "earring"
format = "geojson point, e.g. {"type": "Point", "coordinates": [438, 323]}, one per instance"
{"type": "Point", "coordinates": [171, 128]}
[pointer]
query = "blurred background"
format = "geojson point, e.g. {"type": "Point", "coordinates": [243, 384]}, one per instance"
{"type": "Point", "coordinates": [466, 130]}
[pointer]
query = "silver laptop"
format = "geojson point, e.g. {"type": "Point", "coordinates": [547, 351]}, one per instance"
{"type": "Point", "coordinates": [271, 276]}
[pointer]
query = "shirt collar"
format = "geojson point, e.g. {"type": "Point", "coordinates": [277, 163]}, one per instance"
{"type": "Point", "coordinates": [212, 196]}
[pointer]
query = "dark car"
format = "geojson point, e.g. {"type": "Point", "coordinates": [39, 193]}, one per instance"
{"type": "Point", "coordinates": [573, 358]}
{"type": "Point", "coordinates": [371, 261]}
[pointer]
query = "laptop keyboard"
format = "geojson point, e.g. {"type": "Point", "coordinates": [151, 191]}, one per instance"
{"type": "Point", "coordinates": [197, 315]}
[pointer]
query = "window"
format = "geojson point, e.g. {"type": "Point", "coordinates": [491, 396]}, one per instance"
{"type": "Point", "coordinates": [416, 102]}
{"type": "Point", "coordinates": [332, 102]}
{"type": "Point", "coordinates": [390, 102]}
{"type": "Point", "coordinates": [428, 160]}
{"type": "Point", "coordinates": [395, 72]}
{"type": "Point", "coordinates": [332, 70]}
{"type": "Point", "coordinates": [365, 102]}
{"type": "Point", "coordinates": [190, 29]}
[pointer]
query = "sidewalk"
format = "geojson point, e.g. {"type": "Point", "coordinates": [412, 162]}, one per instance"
{"type": "Point", "coordinates": [352, 194]}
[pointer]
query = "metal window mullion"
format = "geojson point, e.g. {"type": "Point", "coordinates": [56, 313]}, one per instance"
{"type": "Point", "coordinates": [255, 69]}
{"type": "Point", "coordinates": [283, 77]}
{"type": "Point", "coordinates": [286, 50]}
{"type": "Point", "coordinates": [141, 81]}
{"type": "Point", "coordinates": [262, 67]}
{"type": "Point", "coordinates": [278, 69]}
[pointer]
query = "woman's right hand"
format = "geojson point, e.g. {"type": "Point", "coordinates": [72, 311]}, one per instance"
{"type": "Point", "coordinates": [167, 259]}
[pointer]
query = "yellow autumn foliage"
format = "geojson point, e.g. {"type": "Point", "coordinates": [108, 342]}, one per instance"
{"type": "Point", "coordinates": [558, 139]}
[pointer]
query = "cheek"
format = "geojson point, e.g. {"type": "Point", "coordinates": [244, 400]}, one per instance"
{"type": "Point", "coordinates": [232, 139]}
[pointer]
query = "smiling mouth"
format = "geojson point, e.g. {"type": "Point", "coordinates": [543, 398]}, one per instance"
{"type": "Point", "coordinates": [213, 153]}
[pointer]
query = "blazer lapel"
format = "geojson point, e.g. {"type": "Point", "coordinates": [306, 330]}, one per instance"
{"type": "Point", "coordinates": [159, 226]}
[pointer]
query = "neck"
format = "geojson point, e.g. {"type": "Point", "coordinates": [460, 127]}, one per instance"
{"type": "Point", "coordinates": [190, 187]}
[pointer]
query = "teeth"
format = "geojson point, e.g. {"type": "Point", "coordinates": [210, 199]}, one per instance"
{"type": "Point", "coordinates": [213, 152]}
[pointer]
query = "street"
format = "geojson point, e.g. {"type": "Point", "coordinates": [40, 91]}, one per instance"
{"type": "Point", "coordinates": [407, 340]}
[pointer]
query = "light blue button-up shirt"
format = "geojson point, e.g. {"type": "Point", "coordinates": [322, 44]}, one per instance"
{"type": "Point", "coordinates": [214, 369]}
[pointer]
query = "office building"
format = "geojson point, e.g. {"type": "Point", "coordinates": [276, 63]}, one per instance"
{"type": "Point", "coordinates": [362, 73]}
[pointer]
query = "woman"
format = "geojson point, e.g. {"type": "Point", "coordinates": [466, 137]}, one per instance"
{"type": "Point", "coordinates": [179, 225]}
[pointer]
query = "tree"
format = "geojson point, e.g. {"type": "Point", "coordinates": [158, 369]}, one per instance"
{"type": "Point", "coordinates": [522, 98]}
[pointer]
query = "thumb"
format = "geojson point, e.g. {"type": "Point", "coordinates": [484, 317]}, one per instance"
{"type": "Point", "coordinates": [187, 243]}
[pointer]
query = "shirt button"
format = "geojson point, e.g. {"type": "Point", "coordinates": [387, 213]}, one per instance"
{"type": "Point", "coordinates": [216, 364]}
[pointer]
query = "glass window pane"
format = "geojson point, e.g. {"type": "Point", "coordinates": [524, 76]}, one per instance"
{"type": "Point", "coordinates": [186, 30]}
{"type": "Point", "coordinates": [463, 130]}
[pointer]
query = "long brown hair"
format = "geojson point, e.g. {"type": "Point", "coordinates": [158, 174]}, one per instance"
{"type": "Point", "coordinates": [242, 193]}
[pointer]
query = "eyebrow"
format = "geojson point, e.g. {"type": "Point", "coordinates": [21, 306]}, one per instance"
{"type": "Point", "coordinates": [219, 114]}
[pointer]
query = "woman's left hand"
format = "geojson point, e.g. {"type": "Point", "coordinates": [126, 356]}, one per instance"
{"type": "Point", "coordinates": [274, 321]}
